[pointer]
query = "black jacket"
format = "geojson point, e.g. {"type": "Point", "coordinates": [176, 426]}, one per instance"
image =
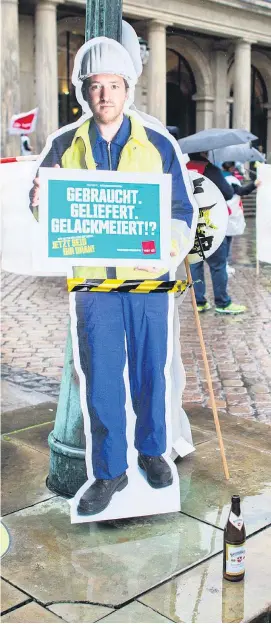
{"type": "Point", "coordinates": [243, 190]}
{"type": "Point", "coordinates": [215, 175]}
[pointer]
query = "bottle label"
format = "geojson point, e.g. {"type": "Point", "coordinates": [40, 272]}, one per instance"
{"type": "Point", "coordinates": [237, 521]}
{"type": "Point", "coordinates": [235, 559]}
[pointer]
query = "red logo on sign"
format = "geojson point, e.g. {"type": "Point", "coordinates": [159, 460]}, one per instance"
{"type": "Point", "coordinates": [148, 247]}
{"type": "Point", "coordinates": [24, 123]}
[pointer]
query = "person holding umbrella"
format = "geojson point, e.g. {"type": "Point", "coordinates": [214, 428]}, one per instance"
{"type": "Point", "coordinates": [237, 224]}
{"type": "Point", "coordinates": [218, 260]}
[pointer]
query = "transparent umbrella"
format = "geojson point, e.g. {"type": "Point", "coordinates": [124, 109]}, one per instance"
{"type": "Point", "coordinates": [214, 138]}
{"type": "Point", "coordinates": [236, 153]}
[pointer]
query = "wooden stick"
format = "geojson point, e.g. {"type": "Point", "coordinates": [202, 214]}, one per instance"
{"type": "Point", "coordinates": [207, 371]}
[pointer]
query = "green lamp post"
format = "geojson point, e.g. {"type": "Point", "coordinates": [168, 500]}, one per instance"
{"type": "Point", "coordinates": [103, 18]}
{"type": "Point", "coordinates": [67, 470]}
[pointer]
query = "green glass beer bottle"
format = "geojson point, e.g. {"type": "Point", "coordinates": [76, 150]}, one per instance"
{"type": "Point", "coordinates": [234, 543]}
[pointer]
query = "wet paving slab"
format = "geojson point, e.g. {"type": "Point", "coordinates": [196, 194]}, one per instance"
{"type": "Point", "coordinates": [205, 493]}
{"type": "Point", "coordinates": [27, 416]}
{"type": "Point", "coordinates": [136, 613]}
{"type": "Point", "coordinates": [11, 596]}
{"type": "Point", "coordinates": [202, 436]}
{"type": "Point", "coordinates": [109, 563]}
{"type": "Point", "coordinates": [24, 472]}
{"type": "Point", "coordinates": [202, 595]}
{"type": "Point", "coordinates": [36, 437]}
{"type": "Point", "coordinates": [31, 612]}
{"type": "Point", "coordinates": [249, 432]}
{"type": "Point", "coordinates": [79, 612]}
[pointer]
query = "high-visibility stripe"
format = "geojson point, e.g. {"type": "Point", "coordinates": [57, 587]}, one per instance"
{"type": "Point", "coordinates": [132, 286]}
{"type": "Point", "coordinates": [149, 284]}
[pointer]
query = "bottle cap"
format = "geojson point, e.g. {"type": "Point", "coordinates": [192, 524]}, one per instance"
{"type": "Point", "coordinates": [235, 498]}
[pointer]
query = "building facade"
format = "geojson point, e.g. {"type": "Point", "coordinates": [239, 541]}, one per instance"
{"type": "Point", "coordinates": [209, 63]}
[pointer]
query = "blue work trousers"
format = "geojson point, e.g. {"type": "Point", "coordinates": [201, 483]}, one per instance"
{"type": "Point", "coordinates": [103, 322]}
{"type": "Point", "coordinates": [217, 263]}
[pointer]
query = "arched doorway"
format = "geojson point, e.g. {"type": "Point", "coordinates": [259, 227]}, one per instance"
{"type": "Point", "coordinates": [69, 41]}
{"type": "Point", "coordinates": [181, 86]}
{"type": "Point", "coordinates": [259, 99]}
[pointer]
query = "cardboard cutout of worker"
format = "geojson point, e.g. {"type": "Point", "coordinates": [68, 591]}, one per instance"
{"type": "Point", "coordinates": [123, 343]}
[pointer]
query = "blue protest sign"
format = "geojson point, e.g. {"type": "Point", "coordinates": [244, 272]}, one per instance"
{"type": "Point", "coordinates": [97, 217]}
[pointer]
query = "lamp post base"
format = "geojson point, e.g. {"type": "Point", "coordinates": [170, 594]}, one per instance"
{"type": "Point", "coordinates": [67, 471]}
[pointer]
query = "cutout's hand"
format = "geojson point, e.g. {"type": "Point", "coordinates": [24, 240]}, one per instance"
{"type": "Point", "coordinates": [146, 269]}
{"type": "Point", "coordinates": [35, 193]}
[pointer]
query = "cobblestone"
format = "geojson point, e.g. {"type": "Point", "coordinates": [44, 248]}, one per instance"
{"type": "Point", "coordinates": [239, 347]}
{"type": "Point", "coordinates": [35, 319]}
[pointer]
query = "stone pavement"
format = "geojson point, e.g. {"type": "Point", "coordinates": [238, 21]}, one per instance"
{"type": "Point", "coordinates": [34, 326]}
{"type": "Point", "coordinates": [165, 568]}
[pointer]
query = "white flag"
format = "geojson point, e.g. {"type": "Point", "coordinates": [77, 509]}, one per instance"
{"type": "Point", "coordinates": [24, 123]}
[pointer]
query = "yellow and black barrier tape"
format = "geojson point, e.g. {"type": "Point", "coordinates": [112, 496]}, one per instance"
{"type": "Point", "coordinates": [76, 284]}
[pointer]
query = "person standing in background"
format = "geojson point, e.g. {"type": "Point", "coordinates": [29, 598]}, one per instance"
{"type": "Point", "coordinates": [26, 147]}
{"type": "Point", "coordinates": [218, 260]}
{"type": "Point", "coordinates": [237, 224]}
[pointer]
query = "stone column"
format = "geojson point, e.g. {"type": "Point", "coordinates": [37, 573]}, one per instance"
{"type": "Point", "coordinates": [242, 85]}
{"type": "Point", "coordinates": [46, 70]}
{"type": "Point", "coordinates": [220, 103]}
{"type": "Point", "coordinates": [157, 71]}
{"type": "Point", "coordinates": [204, 111]}
{"type": "Point", "coordinates": [10, 75]}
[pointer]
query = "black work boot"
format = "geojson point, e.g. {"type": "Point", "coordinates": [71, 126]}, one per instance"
{"type": "Point", "coordinates": [98, 496]}
{"type": "Point", "coordinates": [158, 472]}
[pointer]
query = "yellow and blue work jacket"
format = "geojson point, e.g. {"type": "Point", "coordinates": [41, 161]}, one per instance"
{"type": "Point", "coordinates": [135, 148]}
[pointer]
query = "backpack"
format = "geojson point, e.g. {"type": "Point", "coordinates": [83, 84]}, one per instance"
{"type": "Point", "coordinates": [236, 224]}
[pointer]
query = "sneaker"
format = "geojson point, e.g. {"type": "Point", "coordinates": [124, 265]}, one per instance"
{"type": "Point", "coordinates": [230, 270]}
{"type": "Point", "coordinates": [204, 307]}
{"type": "Point", "coordinates": [232, 308]}
{"type": "Point", "coordinates": [98, 496]}
{"type": "Point", "coordinates": [157, 470]}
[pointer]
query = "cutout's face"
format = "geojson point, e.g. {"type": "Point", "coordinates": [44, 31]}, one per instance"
{"type": "Point", "coordinates": [107, 95]}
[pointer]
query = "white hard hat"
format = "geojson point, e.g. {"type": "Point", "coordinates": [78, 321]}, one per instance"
{"type": "Point", "coordinates": [130, 42]}
{"type": "Point", "coordinates": [103, 56]}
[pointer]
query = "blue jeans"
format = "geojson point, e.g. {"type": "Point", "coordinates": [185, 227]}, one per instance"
{"type": "Point", "coordinates": [217, 263]}
{"type": "Point", "coordinates": [103, 323]}
{"type": "Point", "coordinates": [229, 242]}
